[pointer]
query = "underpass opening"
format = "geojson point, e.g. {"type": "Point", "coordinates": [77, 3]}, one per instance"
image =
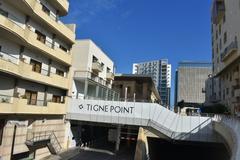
{"type": "Point", "coordinates": [183, 150]}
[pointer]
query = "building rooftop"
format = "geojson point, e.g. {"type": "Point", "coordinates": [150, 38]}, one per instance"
{"type": "Point", "coordinates": [194, 64]}
{"type": "Point", "coordinates": [133, 77]}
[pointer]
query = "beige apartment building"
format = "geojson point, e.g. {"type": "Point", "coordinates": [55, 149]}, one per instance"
{"type": "Point", "coordinates": [225, 54]}
{"type": "Point", "coordinates": [35, 61]}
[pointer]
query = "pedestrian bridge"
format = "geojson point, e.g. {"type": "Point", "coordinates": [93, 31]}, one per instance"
{"type": "Point", "coordinates": [151, 116]}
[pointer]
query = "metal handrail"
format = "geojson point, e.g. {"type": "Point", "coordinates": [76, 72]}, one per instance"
{"type": "Point", "coordinates": [198, 127]}
{"type": "Point", "coordinates": [46, 135]}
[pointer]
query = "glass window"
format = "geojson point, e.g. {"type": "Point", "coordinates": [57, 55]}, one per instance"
{"type": "Point", "coordinates": [36, 66]}
{"type": "Point", "coordinates": [225, 37]}
{"type": "Point", "coordinates": [56, 99]}
{"type": "Point", "coordinates": [59, 72]}
{"type": "Point", "coordinates": [31, 97]}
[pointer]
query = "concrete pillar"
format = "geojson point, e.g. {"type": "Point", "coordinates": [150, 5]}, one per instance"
{"type": "Point", "coordinates": [97, 91]}
{"type": "Point", "coordinates": [113, 98]}
{"type": "Point", "coordinates": [49, 67]}
{"type": "Point", "coordinates": [107, 94]}
{"type": "Point", "coordinates": [21, 52]}
{"type": "Point", "coordinates": [45, 96]}
{"type": "Point", "coordinates": [86, 89]}
{"type": "Point", "coordinates": [118, 138]}
{"type": "Point", "coordinates": [15, 91]}
{"type": "Point", "coordinates": [53, 40]}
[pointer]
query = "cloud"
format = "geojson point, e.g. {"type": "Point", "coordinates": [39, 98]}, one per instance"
{"type": "Point", "coordinates": [83, 11]}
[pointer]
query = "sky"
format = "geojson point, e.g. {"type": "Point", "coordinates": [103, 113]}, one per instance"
{"type": "Point", "coordinates": [131, 31]}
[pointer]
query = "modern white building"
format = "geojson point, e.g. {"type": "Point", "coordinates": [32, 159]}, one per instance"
{"type": "Point", "coordinates": [160, 71]}
{"type": "Point", "coordinates": [93, 72]}
{"type": "Point", "coordinates": [190, 83]}
{"type": "Point", "coordinates": [35, 64]}
{"type": "Point", "coordinates": [225, 53]}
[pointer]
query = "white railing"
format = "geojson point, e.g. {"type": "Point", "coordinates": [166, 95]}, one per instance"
{"type": "Point", "coordinates": [9, 57]}
{"type": "Point", "coordinates": [6, 99]}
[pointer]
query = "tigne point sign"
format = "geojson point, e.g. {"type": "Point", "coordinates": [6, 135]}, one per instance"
{"type": "Point", "coordinates": [106, 108]}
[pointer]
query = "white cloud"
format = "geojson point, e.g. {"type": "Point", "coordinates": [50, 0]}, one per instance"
{"type": "Point", "coordinates": [83, 11]}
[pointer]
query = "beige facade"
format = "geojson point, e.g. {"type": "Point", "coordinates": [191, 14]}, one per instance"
{"type": "Point", "coordinates": [35, 76]}
{"type": "Point", "coordinates": [225, 53]}
{"type": "Point", "coordinates": [139, 88]}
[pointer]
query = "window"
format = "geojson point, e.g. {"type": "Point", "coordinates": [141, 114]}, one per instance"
{"type": "Point", "coordinates": [31, 97]}
{"type": "Point", "coordinates": [108, 70]}
{"type": "Point", "coordinates": [63, 48]}
{"type": "Point", "coordinates": [45, 9]}
{"type": "Point", "coordinates": [41, 37]}
{"type": "Point", "coordinates": [225, 38]}
{"type": "Point", "coordinates": [4, 13]}
{"type": "Point", "coordinates": [2, 123]}
{"type": "Point", "coordinates": [94, 59]}
{"type": "Point", "coordinates": [59, 72]}
{"type": "Point", "coordinates": [220, 29]}
{"type": "Point", "coordinates": [227, 91]}
{"type": "Point", "coordinates": [216, 34]}
{"type": "Point", "coordinates": [220, 44]}
{"type": "Point", "coordinates": [56, 99]}
{"type": "Point", "coordinates": [36, 66]}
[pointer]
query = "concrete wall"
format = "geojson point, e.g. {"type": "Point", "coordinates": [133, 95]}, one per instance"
{"type": "Point", "coordinates": [228, 128]}
{"type": "Point", "coordinates": [30, 124]}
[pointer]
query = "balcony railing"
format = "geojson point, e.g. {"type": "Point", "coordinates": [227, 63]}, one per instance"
{"type": "Point", "coordinates": [91, 76]}
{"type": "Point", "coordinates": [110, 76]}
{"type": "Point", "coordinates": [96, 66]}
{"type": "Point", "coordinates": [25, 32]}
{"type": "Point", "coordinates": [15, 105]}
{"type": "Point", "coordinates": [6, 99]}
{"type": "Point", "coordinates": [9, 57]}
{"type": "Point", "coordinates": [229, 50]}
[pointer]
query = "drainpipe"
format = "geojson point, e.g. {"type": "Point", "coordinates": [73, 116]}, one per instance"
{"type": "Point", "coordinates": [13, 140]}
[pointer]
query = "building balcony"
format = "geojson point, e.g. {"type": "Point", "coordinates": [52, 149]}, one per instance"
{"type": "Point", "coordinates": [82, 75]}
{"type": "Point", "coordinates": [61, 5]}
{"type": "Point", "coordinates": [25, 70]}
{"type": "Point", "coordinates": [18, 68]}
{"type": "Point", "coordinates": [110, 76]}
{"type": "Point", "coordinates": [218, 11]}
{"type": "Point", "coordinates": [235, 84]}
{"type": "Point", "coordinates": [236, 75]}
{"type": "Point", "coordinates": [229, 50]}
{"type": "Point", "coordinates": [12, 105]}
{"type": "Point", "coordinates": [237, 93]}
{"type": "Point", "coordinates": [25, 36]}
{"type": "Point", "coordinates": [97, 67]}
{"type": "Point", "coordinates": [51, 20]}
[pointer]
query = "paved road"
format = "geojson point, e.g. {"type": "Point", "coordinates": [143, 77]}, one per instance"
{"type": "Point", "coordinates": [127, 151]}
